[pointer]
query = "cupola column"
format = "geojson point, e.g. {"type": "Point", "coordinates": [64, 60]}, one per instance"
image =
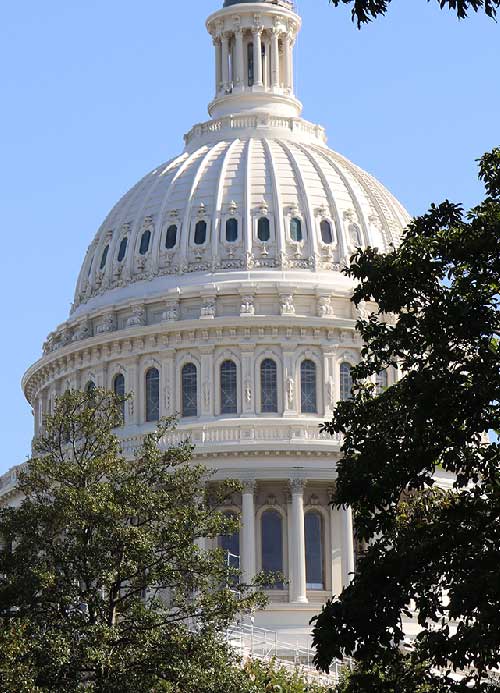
{"type": "Point", "coordinates": [298, 558]}
{"type": "Point", "coordinates": [275, 59]}
{"type": "Point", "coordinates": [225, 61]}
{"type": "Point", "coordinates": [287, 58]}
{"type": "Point", "coordinates": [218, 64]}
{"type": "Point", "coordinates": [347, 546]}
{"type": "Point", "coordinates": [239, 58]}
{"type": "Point", "coordinates": [248, 531]}
{"type": "Point", "coordinates": [257, 56]}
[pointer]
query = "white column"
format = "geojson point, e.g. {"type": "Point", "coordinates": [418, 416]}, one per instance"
{"type": "Point", "coordinates": [218, 65]}
{"type": "Point", "coordinates": [298, 557]}
{"type": "Point", "coordinates": [290, 64]}
{"type": "Point", "coordinates": [247, 560]}
{"type": "Point", "coordinates": [239, 60]}
{"type": "Point", "coordinates": [336, 549]}
{"type": "Point", "coordinates": [167, 395]}
{"type": "Point", "coordinates": [207, 381]}
{"type": "Point", "coordinates": [275, 59]}
{"type": "Point", "coordinates": [135, 404]}
{"type": "Point", "coordinates": [257, 57]}
{"type": "Point", "coordinates": [286, 61]}
{"type": "Point", "coordinates": [347, 546]}
{"type": "Point", "coordinates": [225, 61]}
{"type": "Point", "coordinates": [248, 383]}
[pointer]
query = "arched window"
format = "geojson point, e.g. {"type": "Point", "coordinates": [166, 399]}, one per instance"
{"type": "Point", "coordinates": [268, 386]}
{"type": "Point", "coordinates": [313, 532]}
{"type": "Point", "coordinates": [200, 232]}
{"type": "Point", "coordinates": [326, 232]}
{"type": "Point", "coordinates": [119, 390]}
{"type": "Point", "coordinates": [345, 382]}
{"type": "Point", "coordinates": [90, 268]}
{"type": "Point", "coordinates": [231, 230]}
{"type": "Point", "coordinates": [104, 257]}
{"type": "Point", "coordinates": [145, 241]}
{"type": "Point", "coordinates": [308, 401]}
{"type": "Point", "coordinates": [123, 249]}
{"type": "Point", "coordinates": [171, 237]}
{"type": "Point", "coordinates": [251, 71]}
{"type": "Point", "coordinates": [228, 388]}
{"type": "Point", "coordinates": [263, 230]}
{"type": "Point", "coordinates": [296, 229]}
{"type": "Point", "coordinates": [380, 382]}
{"type": "Point", "coordinates": [272, 542]}
{"type": "Point", "coordinates": [152, 394]}
{"type": "Point", "coordinates": [90, 387]}
{"type": "Point", "coordinates": [189, 390]}
{"type": "Point", "coordinates": [231, 544]}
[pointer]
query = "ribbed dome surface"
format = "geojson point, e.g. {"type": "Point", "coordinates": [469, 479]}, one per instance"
{"type": "Point", "coordinates": [216, 193]}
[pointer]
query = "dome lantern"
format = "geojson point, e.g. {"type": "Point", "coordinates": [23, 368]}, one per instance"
{"type": "Point", "coordinates": [254, 44]}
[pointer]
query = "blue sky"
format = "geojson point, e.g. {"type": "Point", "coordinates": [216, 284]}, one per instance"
{"type": "Point", "coordinates": [95, 94]}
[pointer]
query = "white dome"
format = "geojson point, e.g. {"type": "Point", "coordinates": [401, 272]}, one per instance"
{"type": "Point", "coordinates": [233, 171]}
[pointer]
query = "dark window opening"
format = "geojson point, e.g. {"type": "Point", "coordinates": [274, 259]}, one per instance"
{"type": "Point", "coordinates": [326, 232]}
{"type": "Point", "coordinates": [171, 237]}
{"type": "Point", "coordinates": [145, 240]}
{"type": "Point", "coordinates": [200, 232]}
{"type": "Point", "coordinates": [189, 390]}
{"type": "Point", "coordinates": [263, 230]}
{"type": "Point", "coordinates": [228, 388]}
{"type": "Point", "coordinates": [123, 249]}
{"type": "Point", "coordinates": [269, 386]}
{"type": "Point", "coordinates": [231, 230]}
{"type": "Point", "coordinates": [296, 230]}
{"type": "Point", "coordinates": [152, 395]}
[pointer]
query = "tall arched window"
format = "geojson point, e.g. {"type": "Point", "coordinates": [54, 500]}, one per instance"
{"type": "Point", "coordinates": [231, 543]}
{"type": "Point", "coordinates": [263, 230]}
{"type": "Point", "coordinates": [145, 241]}
{"type": "Point", "coordinates": [313, 532]}
{"type": "Point", "coordinates": [308, 398]}
{"type": "Point", "coordinates": [119, 390]}
{"type": "Point", "coordinates": [90, 387]}
{"type": "Point", "coordinates": [268, 386]}
{"type": "Point", "coordinates": [251, 71]}
{"type": "Point", "coordinates": [104, 257]}
{"type": "Point", "coordinates": [272, 542]}
{"type": "Point", "coordinates": [171, 237]}
{"type": "Point", "coordinates": [296, 230]}
{"type": "Point", "coordinates": [123, 249]}
{"type": "Point", "coordinates": [152, 394]}
{"type": "Point", "coordinates": [189, 390]}
{"type": "Point", "coordinates": [200, 232]}
{"type": "Point", "coordinates": [380, 382]}
{"type": "Point", "coordinates": [326, 232]}
{"type": "Point", "coordinates": [231, 230]}
{"type": "Point", "coordinates": [345, 382]}
{"type": "Point", "coordinates": [228, 388]}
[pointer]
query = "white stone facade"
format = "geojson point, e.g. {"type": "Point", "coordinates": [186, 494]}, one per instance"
{"type": "Point", "coordinates": [184, 272]}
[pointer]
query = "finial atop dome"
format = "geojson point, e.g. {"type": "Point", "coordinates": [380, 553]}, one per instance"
{"type": "Point", "coordinates": [254, 42]}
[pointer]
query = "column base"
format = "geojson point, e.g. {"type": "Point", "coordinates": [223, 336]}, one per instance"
{"type": "Point", "coordinates": [300, 600]}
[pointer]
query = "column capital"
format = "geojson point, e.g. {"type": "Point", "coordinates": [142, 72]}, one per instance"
{"type": "Point", "coordinates": [297, 485]}
{"type": "Point", "coordinates": [249, 486]}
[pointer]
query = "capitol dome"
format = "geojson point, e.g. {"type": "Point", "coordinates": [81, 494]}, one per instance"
{"type": "Point", "coordinates": [213, 292]}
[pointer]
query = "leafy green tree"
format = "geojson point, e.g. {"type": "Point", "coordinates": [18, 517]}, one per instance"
{"type": "Point", "coordinates": [364, 11]}
{"type": "Point", "coordinates": [437, 323]}
{"type": "Point", "coordinates": [103, 583]}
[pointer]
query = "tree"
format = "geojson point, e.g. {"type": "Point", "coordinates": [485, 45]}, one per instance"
{"type": "Point", "coordinates": [103, 583]}
{"type": "Point", "coordinates": [364, 11]}
{"type": "Point", "coordinates": [437, 322]}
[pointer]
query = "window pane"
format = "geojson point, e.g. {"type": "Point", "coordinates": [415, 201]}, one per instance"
{"type": "Point", "coordinates": [314, 551]}
{"type": "Point", "coordinates": [250, 64]}
{"type": "Point", "coordinates": [119, 390]}
{"type": "Point", "coordinates": [308, 404]}
{"type": "Point", "coordinates": [228, 388]}
{"type": "Point", "coordinates": [123, 249]}
{"type": "Point", "coordinates": [345, 382]}
{"type": "Point", "coordinates": [104, 257]}
{"type": "Point", "coordinates": [200, 232]}
{"type": "Point", "coordinates": [231, 230]}
{"type": "Point", "coordinates": [272, 542]}
{"type": "Point", "coordinates": [152, 395]}
{"type": "Point", "coordinates": [263, 230]}
{"type": "Point", "coordinates": [171, 237]}
{"type": "Point", "coordinates": [326, 232]}
{"type": "Point", "coordinates": [145, 239]}
{"type": "Point", "coordinates": [231, 544]}
{"type": "Point", "coordinates": [296, 230]}
{"type": "Point", "coordinates": [189, 390]}
{"type": "Point", "coordinates": [268, 386]}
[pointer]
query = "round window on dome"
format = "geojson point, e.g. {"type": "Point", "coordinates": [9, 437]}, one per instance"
{"type": "Point", "coordinates": [123, 249]}
{"type": "Point", "coordinates": [296, 230]}
{"type": "Point", "coordinates": [145, 241]}
{"type": "Point", "coordinates": [171, 237]}
{"type": "Point", "coordinates": [263, 230]}
{"type": "Point", "coordinates": [104, 257]}
{"type": "Point", "coordinates": [326, 232]}
{"type": "Point", "coordinates": [231, 230]}
{"type": "Point", "coordinates": [200, 232]}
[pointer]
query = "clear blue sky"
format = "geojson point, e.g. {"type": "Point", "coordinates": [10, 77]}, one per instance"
{"type": "Point", "coordinates": [95, 94]}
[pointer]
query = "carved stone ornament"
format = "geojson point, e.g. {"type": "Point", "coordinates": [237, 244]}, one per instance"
{"type": "Point", "coordinates": [208, 308]}
{"type": "Point", "coordinates": [171, 313]}
{"type": "Point", "coordinates": [206, 394]}
{"type": "Point", "coordinates": [290, 390]}
{"type": "Point", "coordinates": [297, 485]}
{"type": "Point", "coordinates": [248, 392]}
{"type": "Point", "coordinates": [138, 316]}
{"type": "Point", "coordinates": [287, 305]}
{"type": "Point", "coordinates": [107, 324]}
{"type": "Point", "coordinates": [247, 305]}
{"type": "Point", "coordinates": [248, 486]}
{"type": "Point", "coordinates": [324, 307]}
{"type": "Point", "coordinates": [362, 310]}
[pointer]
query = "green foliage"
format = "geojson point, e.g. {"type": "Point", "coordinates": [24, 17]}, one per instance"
{"type": "Point", "coordinates": [364, 11]}
{"type": "Point", "coordinates": [438, 322]}
{"type": "Point", "coordinates": [270, 678]}
{"type": "Point", "coordinates": [103, 586]}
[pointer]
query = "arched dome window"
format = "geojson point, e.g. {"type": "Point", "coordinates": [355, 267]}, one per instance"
{"type": "Point", "coordinates": [231, 230]}
{"type": "Point", "coordinates": [122, 251]}
{"type": "Point", "coordinates": [345, 381]}
{"type": "Point", "coordinates": [189, 390]}
{"type": "Point", "coordinates": [326, 232]}
{"type": "Point", "coordinates": [308, 398]}
{"type": "Point", "coordinates": [90, 268]}
{"type": "Point", "coordinates": [380, 382]}
{"type": "Point", "coordinates": [269, 386]}
{"type": "Point", "coordinates": [230, 543]}
{"type": "Point", "coordinates": [200, 232]}
{"type": "Point", "coordinates": [296, 230]}
{"type": "Point", "coordinates": [145, 241]}
{"type": "Point", "coordinates": [152, 394]}
{"type": "Point", "coordinates": [251, 70]}
{"type": "Point", "coordinates": [313, 533]}
{"type": "Point", "coordinates": [171, 237]}
{"type": "Point", "coordinates": [263, 230]}
{"type": "Point", "coordinates": [272, 542]}
{"type": "Point", "coordinates": [119, 390]}
{"type": "Point", "coordinates": [104, 257]}
{"type": "Point", "coordinates": [228, 388]}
